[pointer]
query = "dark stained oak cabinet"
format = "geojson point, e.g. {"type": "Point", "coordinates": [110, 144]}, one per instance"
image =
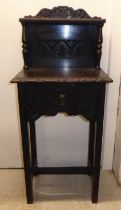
{"type": "Point", "coordinates": [62, 49]}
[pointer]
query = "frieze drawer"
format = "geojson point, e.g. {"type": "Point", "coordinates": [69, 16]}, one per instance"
{"type": "Point", "coordinates": [61, 94]}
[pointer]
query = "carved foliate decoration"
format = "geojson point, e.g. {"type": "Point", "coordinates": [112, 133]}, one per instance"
{"type": "Point", "coordinates": [62, 48]}
{"type": "Point", "coordinates": [75, 48]}
{"type": "Point", "coordinates": [63, 12]}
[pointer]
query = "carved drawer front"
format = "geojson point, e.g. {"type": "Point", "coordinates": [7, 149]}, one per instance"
{"type": "Point", "coordinates": [62, 94]}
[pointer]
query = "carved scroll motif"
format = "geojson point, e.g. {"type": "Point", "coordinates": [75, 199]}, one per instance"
{"type": "Point", "coordinates": [62, 49]}
{"type": "Point", "coordinates": [63, 12]}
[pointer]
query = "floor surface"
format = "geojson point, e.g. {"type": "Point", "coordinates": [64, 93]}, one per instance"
{"type": "Point", "coordinates": [58, 192]}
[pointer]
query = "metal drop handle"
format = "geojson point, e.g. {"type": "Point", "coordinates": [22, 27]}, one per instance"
{"type": "Point", "coordinates": [62, 99]}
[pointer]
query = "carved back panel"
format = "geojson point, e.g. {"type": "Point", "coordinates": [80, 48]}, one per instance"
{"type": "Point", "coordinates": [62, 37]}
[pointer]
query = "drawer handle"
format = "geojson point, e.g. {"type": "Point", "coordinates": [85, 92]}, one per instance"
{"type": "Point", "coordinates": [62, 99]}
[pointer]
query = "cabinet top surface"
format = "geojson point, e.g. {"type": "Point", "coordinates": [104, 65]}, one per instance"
{"type": "Point", "coordinates": [62, 74]}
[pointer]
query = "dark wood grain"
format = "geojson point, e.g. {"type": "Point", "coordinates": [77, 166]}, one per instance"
{"type": "Point", "coordinates": [33, 141]}
{"type": "Point", "coordinates": [91, 144]}
{"type": "Point", "coordinates": [61, 75]}
{"type": "Point", "coordinates": [61, 170]}
{"type": "Point", "coordinates": [25, 146]}
{"type": "Point", "coordinates": [62, 50]}
{"type": "Point", "coordinates": [98, 147]}
{"type": "Point", "coordinates": [62, 36]}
